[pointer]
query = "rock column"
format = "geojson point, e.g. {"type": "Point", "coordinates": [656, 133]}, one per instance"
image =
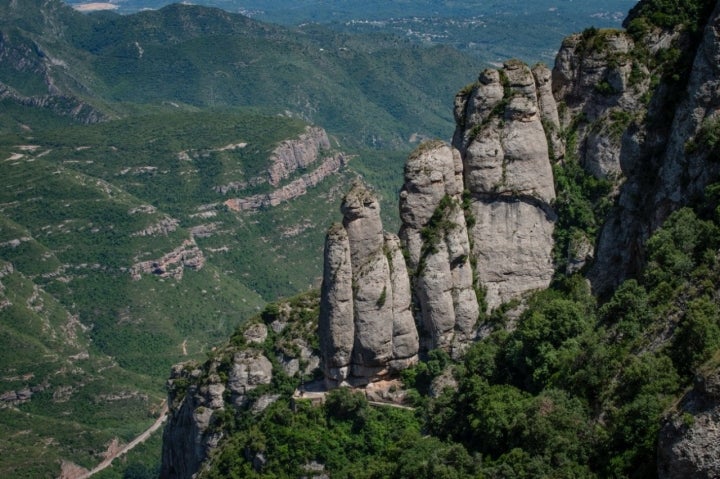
{"type": "Point", "coordinates": [366, 326]}
{"type": "Point", "coordinates": [508, 175]}
{"type": "Point", "coordinates": [435, 234]}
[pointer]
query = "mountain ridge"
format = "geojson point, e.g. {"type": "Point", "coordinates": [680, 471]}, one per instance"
{"type": "Point", "coordinates": [311, 73]}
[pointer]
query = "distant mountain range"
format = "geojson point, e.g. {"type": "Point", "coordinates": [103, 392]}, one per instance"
{"type": "Point", "coordinates": [491, 31]}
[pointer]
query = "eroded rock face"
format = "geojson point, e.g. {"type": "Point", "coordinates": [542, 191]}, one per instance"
{"type": "Point", "coordinates": [249, 370]}
{"type": "Point", "coordinates": [435, 235]}
{"type": "Point", "coordinates": [188, 438]}
{"type": "Point", "coordinates": [172, 264]}
{"type": "Point", "coordinates": [404, 332]}
{"type": "Point", "coordinates": [513, 247]}
{"type": "Point", "coordinates": [548, 110]}
{"type": "Point", "coordinates": [689, 441]}
{"type": "Point", "coordinates": [202, 396]}
{"type": "Point", "coordinates": [291, 155]}
{"type": "Point", "coordinates": [508, 174]}
{"type": "Point", "coordinates": [292, 190]}
{"type": "Point", "coordinates": [686, 171]}
{"type": "Point", "coordinates": [337, 318]}
{"type": "Point", "coordinates": [644, 131]}
{"type": "Point", "coordinates": [366, 327]}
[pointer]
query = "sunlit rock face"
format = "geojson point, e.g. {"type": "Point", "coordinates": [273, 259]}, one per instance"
{"type": "Point", "coordinates": [503, 122]}
{"type": "Point", "coordinates": [435, 236]}
{"type": "Point", "coordinates": [367, 330]}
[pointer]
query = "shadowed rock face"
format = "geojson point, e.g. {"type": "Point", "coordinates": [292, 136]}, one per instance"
{"type": "Point", "coordinates": [366, 326]}
{"type": "Point", "coordinates": [637, 133]}
{"type": "Point", "coordinates": [502, 139]}
{"type": "Point", "coordinates": [689, 441]}
{"type": "Point", "coordinates": [188, 438]}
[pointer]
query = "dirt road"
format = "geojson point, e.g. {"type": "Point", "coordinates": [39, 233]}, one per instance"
{"type": "Point", "coordinates": [84, 474]}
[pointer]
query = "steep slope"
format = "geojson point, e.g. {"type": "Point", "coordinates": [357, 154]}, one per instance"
{"type": "Point", "coordinates": [638, 102]}
{"type": "Point", "coordinates": [39, 68]}
{"type": "Point", "coordinates": [360, 87]}
{"type": "Point", "coordinates": [60, 396]}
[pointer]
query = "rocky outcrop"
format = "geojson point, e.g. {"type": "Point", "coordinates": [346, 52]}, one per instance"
{"type": "Point", "coordinates": [309, 153]}
{"type": "Point", "coordinates": [197, 401]}
{"type": "Point", "coordinates": [172, 264]}
{"type": "Point", "coordinates": [249, 370]}
{"type": "Point", "coordinates": [336, 326]}
{"type": "Point", "coordinates": [689, 162]}
{"type": "Point", "coordinates": [163, 227]}
{"type": "Point", "coordinates": [435, 235]}
{"type": "Point", "coordinates": [366, 326]}
{"type": "Point", "coordinates": [292, 190]}
{"type": "Point", "coordinates": [201, 397]}
{"type": "Point", "coordinates": [479, 215]}
{"type": "Point", "coordinates": [648, 138]}
{"type": "Point", "coordinates": [485, 202]}
{"type": "Point", "coordinates": [689, 441]}
{"type": "Point", "coordinates": [285, 160]}
{"type": "Point", "coordinates": [508, 177]}
{"type": "Point", "coordinates": [188, 437]}
{"type": "Point", "coordinates": [20, 396]}
{"type": "Point", "coordinates": [292, 155]}
{"type": "Point", "coordinates": [601, 90]}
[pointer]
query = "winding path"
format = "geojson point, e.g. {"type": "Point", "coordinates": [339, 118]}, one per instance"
{"type": "Point", "coordinates": [138, 440]}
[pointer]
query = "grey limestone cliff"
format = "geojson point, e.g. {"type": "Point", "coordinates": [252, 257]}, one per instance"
{"type": "Point", "coordinates": [646, 136]}
{"type": "Point", "coordinates": [479, 216]}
